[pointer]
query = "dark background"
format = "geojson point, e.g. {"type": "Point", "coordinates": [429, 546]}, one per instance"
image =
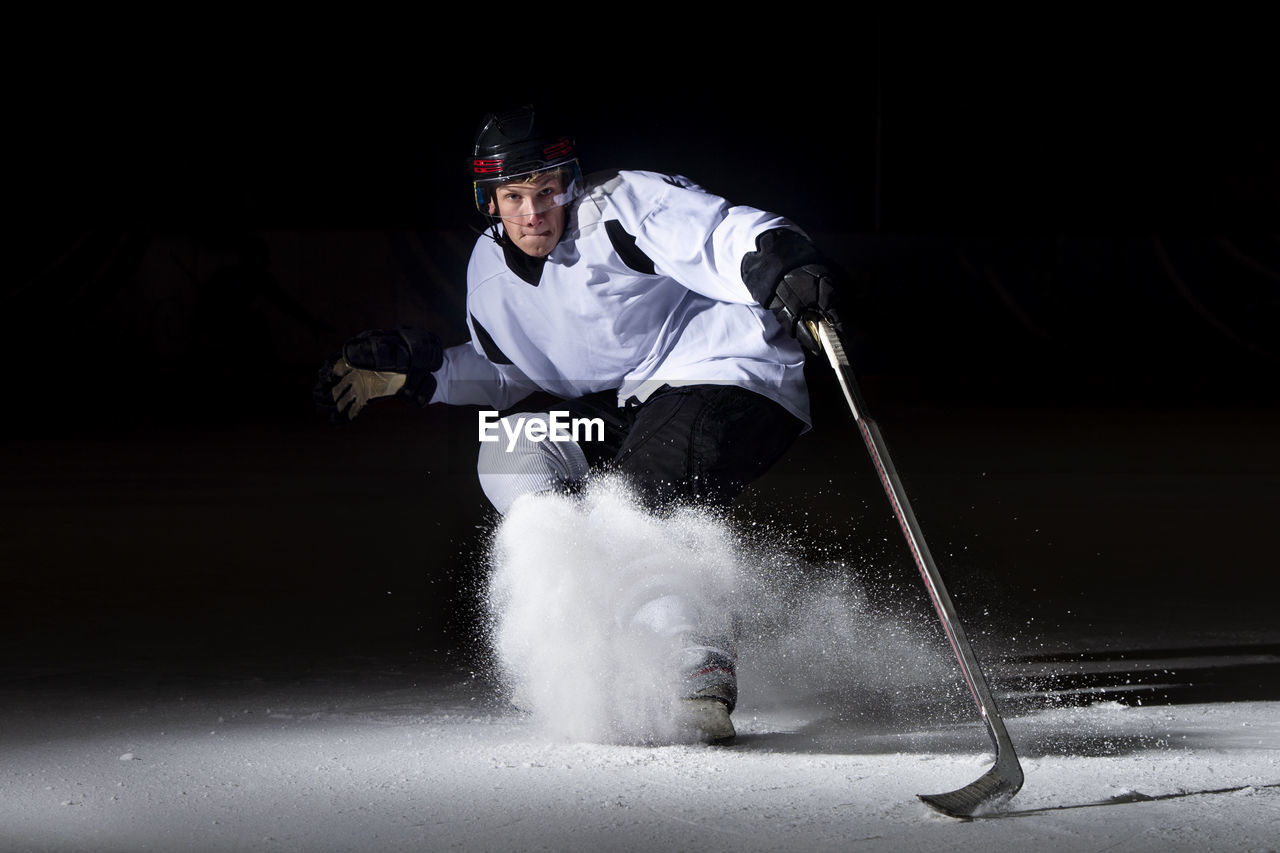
{"type": "Point", "coordinates": [1065, 232]}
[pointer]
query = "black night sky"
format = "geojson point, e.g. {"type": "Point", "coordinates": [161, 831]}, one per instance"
{"type": "Point", "coordinates": [1067, 237]}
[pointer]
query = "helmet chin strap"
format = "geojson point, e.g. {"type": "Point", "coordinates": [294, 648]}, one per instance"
{"type": "Point", "coordinates": [493, 230]}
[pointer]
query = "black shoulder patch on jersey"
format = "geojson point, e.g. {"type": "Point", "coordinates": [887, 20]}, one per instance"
{"type": "Point", "coordinates": [527, 267]}
{"type": "Point", "coordinates": [491, 350]}
{"type": "Point", "coordinates": [625, 245]}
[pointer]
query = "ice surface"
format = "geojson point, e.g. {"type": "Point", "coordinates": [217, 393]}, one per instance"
{"type": "Point", "coordinates": [848, 711]}
{"type": "Point", "coordinates": [365, 756]}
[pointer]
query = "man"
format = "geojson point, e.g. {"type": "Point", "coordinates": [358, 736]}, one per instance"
{"type": "Point", "coordinates": [639, 300]}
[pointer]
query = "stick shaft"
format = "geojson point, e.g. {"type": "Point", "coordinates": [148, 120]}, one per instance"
{"type": "Point", "coordinates": [937, 591]}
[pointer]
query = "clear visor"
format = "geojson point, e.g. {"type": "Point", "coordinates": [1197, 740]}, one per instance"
{"type": "Point", "coordinates": [529, 193]}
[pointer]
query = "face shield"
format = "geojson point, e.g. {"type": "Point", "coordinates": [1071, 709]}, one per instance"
{"type": "Point", "coordinates": [534, 191]}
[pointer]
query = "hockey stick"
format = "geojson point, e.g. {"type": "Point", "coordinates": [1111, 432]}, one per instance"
{"type": "Point", "coordinates": [1004, 779]}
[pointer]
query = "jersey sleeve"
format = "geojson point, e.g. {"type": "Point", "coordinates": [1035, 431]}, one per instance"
{"type": "Point", "coordinates": [696, 237]}
{"type": "Point", "coordinates": [467, 378]}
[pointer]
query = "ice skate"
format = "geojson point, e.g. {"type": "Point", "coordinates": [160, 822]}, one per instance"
{"type": "Point", "coordinates": [706, 721]}
{"type": "Point", "coordinates": [712, 685]}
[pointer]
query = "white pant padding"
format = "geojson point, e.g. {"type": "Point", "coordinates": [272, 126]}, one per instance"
{"type": "Point", "coordinates": [668, 616]}
{"type": "Point", "coordinates": [525, 466]}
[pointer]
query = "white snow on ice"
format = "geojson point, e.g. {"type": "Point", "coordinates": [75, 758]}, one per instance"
{"type": "Point", "coordinates": [568, 572]}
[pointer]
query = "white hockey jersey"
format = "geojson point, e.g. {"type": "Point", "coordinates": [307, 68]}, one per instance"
{"type": "Point", "coordinates": [671, 308]}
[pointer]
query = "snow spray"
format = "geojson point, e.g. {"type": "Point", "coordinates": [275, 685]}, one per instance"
{"type": "Point", "coordinates": [570, 573]}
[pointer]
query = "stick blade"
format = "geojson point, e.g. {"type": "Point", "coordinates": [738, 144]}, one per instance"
{"type": "Point", "coordinates": [993, 788]}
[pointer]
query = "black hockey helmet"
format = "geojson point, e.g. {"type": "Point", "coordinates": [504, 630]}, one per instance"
{"type": "Point", "coordinates": [512, 144]}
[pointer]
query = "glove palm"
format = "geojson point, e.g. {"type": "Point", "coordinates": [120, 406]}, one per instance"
{"type": "Point", "coordinates": [356, 386]}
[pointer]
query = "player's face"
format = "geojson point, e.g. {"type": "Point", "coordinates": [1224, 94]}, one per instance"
{"type": "Point", "coordinates": [532, 213]}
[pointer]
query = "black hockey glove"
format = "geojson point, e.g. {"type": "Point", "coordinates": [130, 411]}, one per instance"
{"type": "Point", "coordinates": [378, 363]}
{"type": "Point", "coordinates": [787, 275]}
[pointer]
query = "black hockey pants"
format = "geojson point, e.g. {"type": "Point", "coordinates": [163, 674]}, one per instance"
{"type": "Point", "coordinates": [698, 444]}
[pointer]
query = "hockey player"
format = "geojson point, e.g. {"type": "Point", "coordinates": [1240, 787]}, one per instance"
{"type": "Point", "coordinates": [637, 298]}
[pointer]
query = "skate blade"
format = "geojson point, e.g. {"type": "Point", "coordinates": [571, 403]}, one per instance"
{"type": "Point", "coordinates": [707, 721]}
